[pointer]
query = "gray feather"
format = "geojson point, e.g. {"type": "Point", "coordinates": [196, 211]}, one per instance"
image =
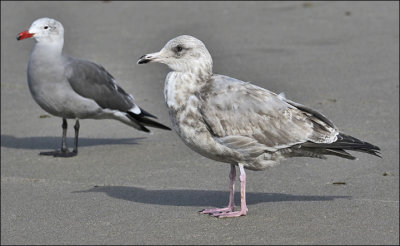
{"type": "Point", "coordinates": [235, 108]}
{"type": "Point", "coordinates": [92, 81]}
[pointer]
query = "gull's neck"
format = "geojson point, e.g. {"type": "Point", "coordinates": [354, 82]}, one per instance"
{"type": "Point", "coordinates": [181, 86]}
{"type": "Point", "coordinates": [47, 50]}
{"type": "Point", "coordinates": [201, 72]}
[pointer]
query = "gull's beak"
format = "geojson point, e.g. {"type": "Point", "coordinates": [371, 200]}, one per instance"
{"type": "Point", "coordinates": [148, 58]}
{"type": "Point", "coordinates": [24, 35]}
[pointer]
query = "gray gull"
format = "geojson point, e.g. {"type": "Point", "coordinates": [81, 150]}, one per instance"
{"type": "Point", "coordinates": [71, 88]}
{"type": "Point", "coordinates": [232, 121]}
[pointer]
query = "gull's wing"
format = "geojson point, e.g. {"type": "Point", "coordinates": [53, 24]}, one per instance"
{"type": "Point", "coordinates": [92, 81]}
{"type": "Point", "coordinates": [251, 119]}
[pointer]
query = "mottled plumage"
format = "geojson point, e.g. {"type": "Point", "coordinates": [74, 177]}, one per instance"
{"type": "Point", "coordinates": [232, 121]}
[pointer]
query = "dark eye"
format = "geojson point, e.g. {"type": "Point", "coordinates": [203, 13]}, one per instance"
{"type": "Point", "coordinates": [45, 27]}
{"type": "Point", "coordinates": [178, 48]}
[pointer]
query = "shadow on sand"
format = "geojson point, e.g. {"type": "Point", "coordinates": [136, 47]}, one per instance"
{"type": "Point", "coordinates": [44, 143]}
{"type": "Point", "coordinates": [198, 197]}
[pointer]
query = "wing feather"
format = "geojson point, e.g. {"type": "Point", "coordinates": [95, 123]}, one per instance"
{"type": "Point", "coordinates": [247, 117]}
{"type": "Point", "coordinates": [92, 81]}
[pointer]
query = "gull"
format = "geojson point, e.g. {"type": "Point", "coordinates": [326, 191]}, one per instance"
{"type": "Point", "coordinates": [72, 88]}
{"type": "Point", "coordinates": [239, 123]}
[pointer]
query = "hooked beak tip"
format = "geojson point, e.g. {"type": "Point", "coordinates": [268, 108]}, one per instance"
{"type": "Point", "coordinates": [143, 59]}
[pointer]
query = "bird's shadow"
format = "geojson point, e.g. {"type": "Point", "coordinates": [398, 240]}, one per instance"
{"type": "Point", "coordinates": [43, 143]}
{"type": "Point", "coordinates": [198, 197]}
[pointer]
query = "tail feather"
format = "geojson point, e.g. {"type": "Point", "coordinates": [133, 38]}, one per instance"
{"type": "Point", "coordinates": [344, 142]}
{"type": "Point", "coordinates": [143, 121]}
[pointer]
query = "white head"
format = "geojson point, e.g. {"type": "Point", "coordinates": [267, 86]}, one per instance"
{"type": "Point", "coordinates": [183, 54]}
{"type": "Point", "coordinates": [44, 30]}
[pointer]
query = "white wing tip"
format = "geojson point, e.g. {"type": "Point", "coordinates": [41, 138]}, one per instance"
{"type": "Point", "coordinates": [135, 109]}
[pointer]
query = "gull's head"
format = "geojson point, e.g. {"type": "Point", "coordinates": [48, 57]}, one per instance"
{"type": "Point", "coordinates": [182, 54]}
{"type": "Point", "coordinates": [44, 30]}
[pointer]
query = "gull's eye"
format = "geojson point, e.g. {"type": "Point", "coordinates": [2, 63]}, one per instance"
{"type": "Point", "coordinates": [178, 48]}
{"type": "Point", "coordinates": [46, 27]}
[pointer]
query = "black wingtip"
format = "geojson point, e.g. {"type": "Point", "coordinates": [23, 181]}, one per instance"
{"type": "Point", "coordinates": [141, 118]}
{"type": "Point", "coordinates": [344, 142]}
{"type": "Point", "coordinates": [143, 128]}
{"type": "Point", "coordinates": [351, 143]}
{"type": "Point", "coordinates": [145, 113]}
{"type": "Point", "coordinates": [152, 123]}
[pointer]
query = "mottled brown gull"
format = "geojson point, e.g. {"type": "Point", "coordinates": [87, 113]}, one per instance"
{"type": "Point", "coordinates": [232, 121]}
{"type": "Point", "coordinates": [71, 88]}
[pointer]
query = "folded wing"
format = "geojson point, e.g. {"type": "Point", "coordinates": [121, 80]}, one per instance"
{"type": "Point", "coordinates": [251, 119]}
{"type": "Point", "coordinates": [91, 80]}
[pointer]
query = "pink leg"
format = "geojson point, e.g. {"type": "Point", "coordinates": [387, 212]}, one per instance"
{"type": "Point", "coordinates": [243, 207]}
{"type": "Point", "coordinates": [231, 205]}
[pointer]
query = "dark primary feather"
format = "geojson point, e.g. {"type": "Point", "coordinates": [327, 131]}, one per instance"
{"type": "Point", "coordinates": [344, 142]}
{"type": "Point", "coordinates": [92, 81]}
{"type": "Point", "coordinates": [142, 120]}
{"type": "Point", "coordinates": [145, 113]}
